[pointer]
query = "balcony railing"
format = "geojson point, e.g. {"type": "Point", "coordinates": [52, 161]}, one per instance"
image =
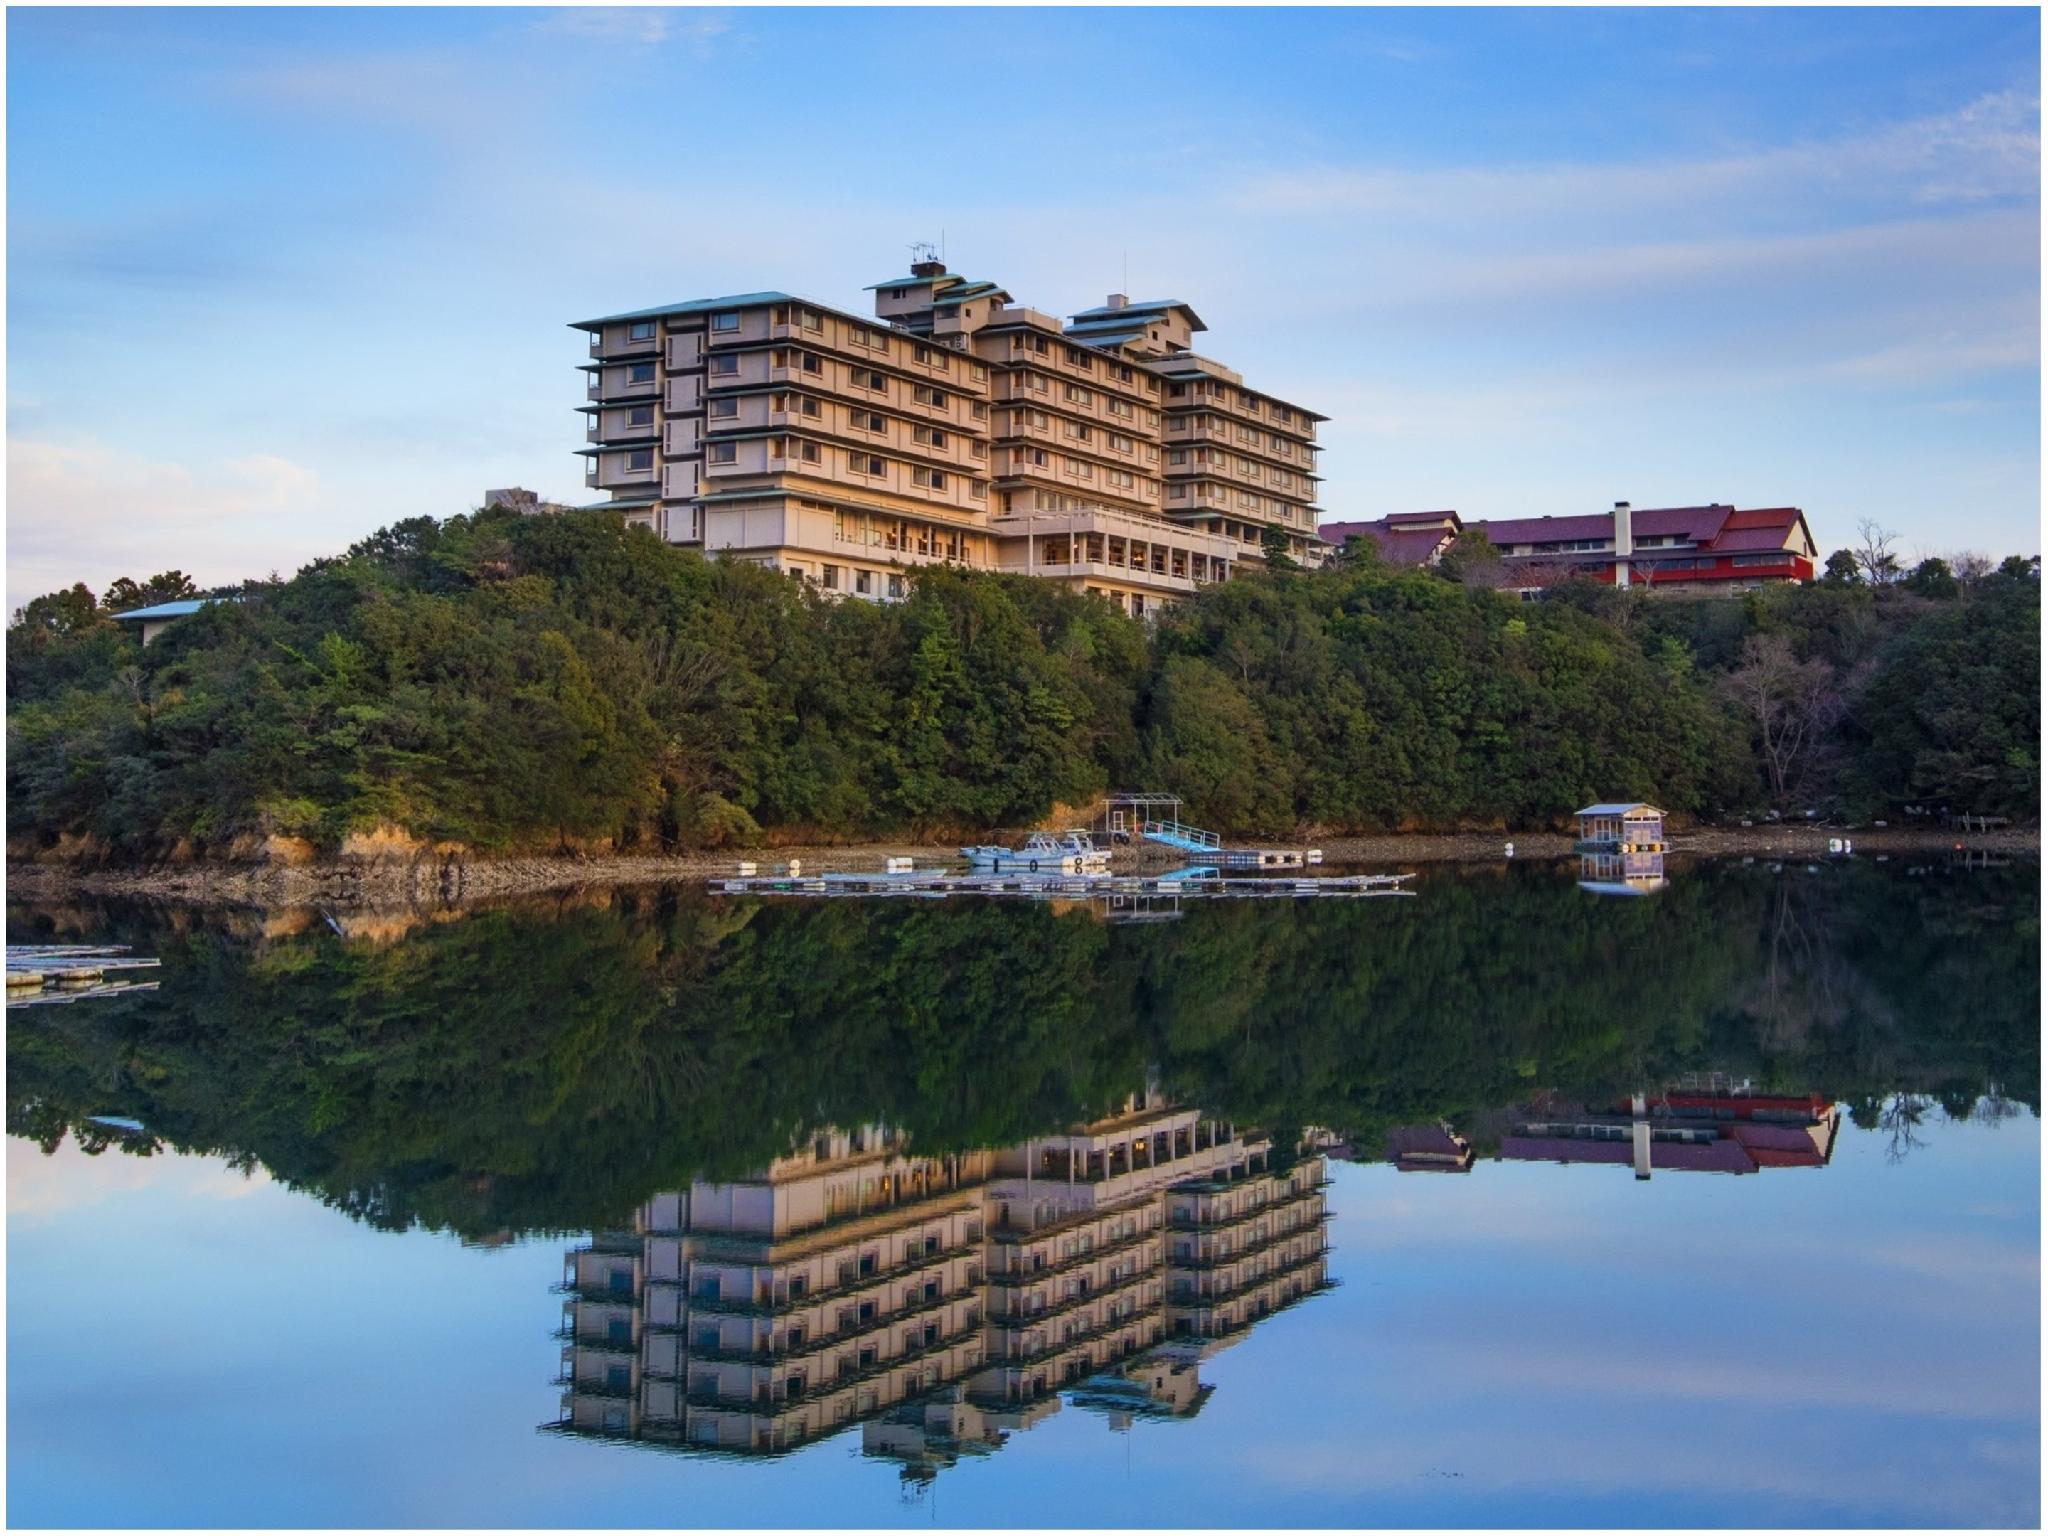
{"type": "Point", "coordinates": [1198, 1298]}
{"type": "Point", "coordinates": [1257, 1246]}
{"type": "Point", "coordinates": [777, 1306]}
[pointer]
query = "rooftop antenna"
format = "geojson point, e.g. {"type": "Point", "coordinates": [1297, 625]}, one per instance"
{"type": "Point", "coordinates": [1127, 270]}
{"type": "Point", "coordinates": [923, 250]}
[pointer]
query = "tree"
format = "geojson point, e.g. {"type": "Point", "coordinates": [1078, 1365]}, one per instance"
{"type": "Point", "coordinates": [1273, 545]}
{"type": "Point", "coordinates": [1360, 549]}
{"type": "Point", "coordinates": [1791, 703]}
{"type": "Point", "coordinates": [165, 587]}
{"type": "Point", "coordinates": [1874, 555]}
{"type": "Point", "coordinates": [1841, 569]}
{"type": "Point", "coordinates": [1473, 561]}
{"type": "Point", "coordinates": [1932, 578]}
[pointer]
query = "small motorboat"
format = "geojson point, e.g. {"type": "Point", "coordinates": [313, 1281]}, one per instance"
{"type": "Point", "coordinates": [1042, 853]}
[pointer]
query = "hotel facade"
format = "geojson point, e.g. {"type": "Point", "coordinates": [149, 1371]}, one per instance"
{"type": "Point", "coordinates": [857, 1282]}
{"type": "Point", "coordinates": [953, 426]}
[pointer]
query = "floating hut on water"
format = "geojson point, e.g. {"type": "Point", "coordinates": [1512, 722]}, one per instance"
{"type": "Point", "coordinates": [1621, 827]}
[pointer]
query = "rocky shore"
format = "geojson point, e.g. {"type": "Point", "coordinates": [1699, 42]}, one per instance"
{"type": "Point", "coordinates": [435, 880]}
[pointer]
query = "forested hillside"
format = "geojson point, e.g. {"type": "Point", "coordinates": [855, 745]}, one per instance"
{"type": "Point", "coordinates": [507, 683]}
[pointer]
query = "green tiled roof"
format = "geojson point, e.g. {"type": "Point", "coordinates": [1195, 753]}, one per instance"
{"type": "Point", "coordinates": [693, 307]}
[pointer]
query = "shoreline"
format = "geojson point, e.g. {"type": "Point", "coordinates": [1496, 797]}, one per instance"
{"type": "Point", "coordinates": [435, 882]}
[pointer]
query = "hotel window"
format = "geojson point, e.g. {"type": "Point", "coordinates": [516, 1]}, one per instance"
{"type": "Point", "coordinates": [725, 362]}
{"type": "Point", "coordinates": [640, 330]}
{"type": "Point", "coordinates": [870, 421]}
{"type": "Point", "coordinates": [1038, 345]}
{"type": "Point", "coordinates": [980, 410]}
{"type": "Point", "coordinates": [977, 372]}
{"type": "Point", "coordinates": [808, 405]}
{"type": "Point", "coordinates": [1078, 395]}
{"type": "Point", "coordinates": [863, 583]}
{"type": "Point", "coordinates": [980, 448]}
{"type": "Point", "coordinates": [640, 458]}
{"type": "Point", "coordinates": [895, 587]}
{"type": "Point", "coordinates": [828, 577]}
{"type": "Point", "coordinates": [931, 479]}
{"type": "Point", "coordinates": [978, 489]}
{"type": "Point", "coordinates": [931, 436]}
{"type": "Point", "coordinates": [1079, 359]}
{"type": "Point", "coordinates": [1120, 443]}
{"type": "Point", "coordinates": [1120, 477]}
{"type": "Point", "coordinates": [640, 416]}
{"type": "Point", "coordinates": [642, 373]}
{"type": "Point", "coordinates": [725, 407]}
{"type": "Point", "coordinates": [866, 463]}
{"type": "Point", "coordinates": [924, 394]}
{"type": "Point", "coordinates": [897, 293]}
{"type": "Point", "coordinates": [1035, 456]}
{"type": "Point", "coordinates": [724, 453]}
{"type": "Point", "coordinates": [813, 321]}
{"type": "Point", "coordinates": [729, 321]}
{"type": "Point", "coordinates": [812, 363]}
{"type": "Point", "coordinates": [806, 450]}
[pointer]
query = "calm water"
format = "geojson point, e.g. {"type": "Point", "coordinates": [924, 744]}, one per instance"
{"type": "Point", "coordinates": [324, 1285]}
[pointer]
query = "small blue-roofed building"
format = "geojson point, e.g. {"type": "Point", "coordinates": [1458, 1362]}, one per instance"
{"type": "Point", "coordinates": [151, 621]}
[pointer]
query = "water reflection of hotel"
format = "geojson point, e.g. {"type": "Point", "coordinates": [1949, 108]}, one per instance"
{"type": "Point", "coordinates": [941, 1302]}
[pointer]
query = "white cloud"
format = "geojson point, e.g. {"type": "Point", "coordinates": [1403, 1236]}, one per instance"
{"type": "Point", "coordinates": [642, 25]}
{"type": "Point", "coordinates": [1989, 148]}
{"type": "Point", "coordinates": [79, 510]}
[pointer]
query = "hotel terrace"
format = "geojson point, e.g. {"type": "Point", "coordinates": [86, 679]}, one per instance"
{"type": "Point", "coordinates": [953, 426]}
{"type": "Point", "coordinates": [938, 1301]}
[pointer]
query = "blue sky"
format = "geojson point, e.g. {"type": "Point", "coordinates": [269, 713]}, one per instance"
{"type": "Point", "coordinates": [281, 277]}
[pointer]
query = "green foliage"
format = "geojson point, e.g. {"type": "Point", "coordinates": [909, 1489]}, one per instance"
{"type": "Point", "coordinates": [513, 682]}
{"type": "Point", "coordinates": [550, 1066]}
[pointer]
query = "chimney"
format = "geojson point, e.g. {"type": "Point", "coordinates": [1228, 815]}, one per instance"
{"type": "Point", "coordinates": [1624, 541]}
{"type": "Point", "coordinates": [1118, 301]}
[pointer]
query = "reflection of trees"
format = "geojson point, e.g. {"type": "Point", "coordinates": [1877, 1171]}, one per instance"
{"type": "Point", "coordinates": [548, 1066]}
{"type": "Point", "coordinates": [1899, 1119]}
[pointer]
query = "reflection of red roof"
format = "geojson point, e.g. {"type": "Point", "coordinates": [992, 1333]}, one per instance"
{"type": "Point", "coordinates": [1778, 1146]}
{"type": "Point", "coordinates": [1563, 1149]}
{"type": "Point", "coordinates": [1679, 1156]}
{"type": "Point", "coordinates": [1408, 1140]}
{"type": "Point", "coordinates": [1810, 1105]}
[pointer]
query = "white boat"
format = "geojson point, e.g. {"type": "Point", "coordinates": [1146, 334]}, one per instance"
{"type": "Point", "coordinates": [1042, 853]}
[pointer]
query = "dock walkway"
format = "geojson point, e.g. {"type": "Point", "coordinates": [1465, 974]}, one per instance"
{"type": "Point", "coordinates": [933, 883]}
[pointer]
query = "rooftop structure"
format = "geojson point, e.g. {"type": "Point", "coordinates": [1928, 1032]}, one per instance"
{"type": "Point", "coordinates": [152, 621]}
{"type": "Point", "coordinates": [953, 426]}
{"type": "Point", "coordinates": [1713, 548]}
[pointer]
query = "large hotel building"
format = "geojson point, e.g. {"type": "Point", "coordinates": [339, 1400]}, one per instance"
{"type": "Point", "coordinates": [954, 425]}
{"type": "Point", "coordinates": [935, 1299]}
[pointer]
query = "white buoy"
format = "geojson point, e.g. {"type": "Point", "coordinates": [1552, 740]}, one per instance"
{"type": "Point", "coordinates": [748, 867]}
{"type": "Point", "coordinates": [796, 866]}
{"type": "Point", "coordinates": [1510, 850]}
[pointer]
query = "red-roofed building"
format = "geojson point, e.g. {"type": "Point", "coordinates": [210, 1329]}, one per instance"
{"type": "Point", "coordinates": [1711, 548]}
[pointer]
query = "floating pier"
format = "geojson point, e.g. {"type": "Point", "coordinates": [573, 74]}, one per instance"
{"type": "Point", "coordinates": [1203, 882]}
{"type": "Point", "coordinates": [64, 973]}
